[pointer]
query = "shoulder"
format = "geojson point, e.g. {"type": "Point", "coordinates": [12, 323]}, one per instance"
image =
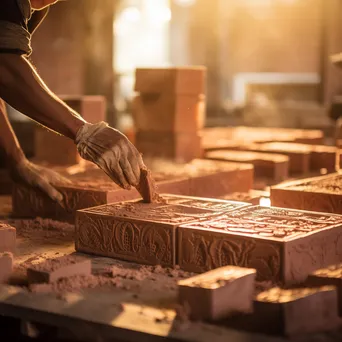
{"type": "Point", "coordinates": [10, 11]}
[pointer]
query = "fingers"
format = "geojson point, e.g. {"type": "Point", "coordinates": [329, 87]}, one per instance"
{"type": "Point", "coordinates": [127, 170]}
{"type": "Point", "coordinates": [52, 192]}
{"type": "Point", "coordinates": [118, 177]}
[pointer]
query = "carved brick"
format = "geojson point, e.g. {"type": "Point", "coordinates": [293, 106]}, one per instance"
{"type": "Point", "coordinates": [219, 293]}
{"type": "Point", "coordinates": [282, 245]}
{"type": "Point", "coordinates": [296, 311]}
{"type": "Point", "coordinates": [323, 194]}
{"type": "Point", "coordinates": [178, 80]}
{"type": "Point", "coordinates": [133, 231]}
{"type": "Point", "coordinates": [52, 270]}
{"type": "Point", "coordinates": [331, 275]}
{"type": "Point", "coordinates": [273, 166]}
{"type": "Point", "coordinates": [7, 238]}
{"type": "Point", "coordinates": [181, 147]}
{"type": "Point", "coordinates": [169, 113]}
{"type": "Point", "coordinates": [93, 188]}
{"type": "Point", "coordinates": [6, 266]}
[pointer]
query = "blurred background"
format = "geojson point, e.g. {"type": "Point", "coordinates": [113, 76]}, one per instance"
{"type": "Point", "coordinates": [268, 61]}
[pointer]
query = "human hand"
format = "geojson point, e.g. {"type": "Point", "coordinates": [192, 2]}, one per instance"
{"type": "Point", "coordinates": [112, 152]}
{"type": "Point", "coordinates": [35, 176]}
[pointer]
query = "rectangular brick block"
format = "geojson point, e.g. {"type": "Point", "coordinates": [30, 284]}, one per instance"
{"type": "Point", "coordinates": [332, 276]}
{"type": "Point", "coordinates": [52, 270]}
{"type": "Point", "coordinates": [219, 293]}
{"type": "Point", "coordinates": [54, 149]}
{"type": "Point", "coordinates": [282, 245]}
{"type": "Point", "coordinates": [323, 194]}
{"type": "Point", "coordinates": [169, 113]}
{"type": "Point", "coordinates": [7, 238]}
{"type": "Point", "coordinates": [6, 266]}
{"type": "Point", "coordinates": [272, 166]}
{"type": "Point", "coordinates": [180, 147]}
{"type": "Point", "coordinates": [296, 311]}
{"type": "Point", "coordinates": [93, 188]}
{"type": "Point", "coordinates": [220, 137]}
{"type": "Point", "coordinates": [178, 80]}
{"type": "Point", "coordinates": [91, 108]}
{"type": "Point", "coordinates": [133, 231]}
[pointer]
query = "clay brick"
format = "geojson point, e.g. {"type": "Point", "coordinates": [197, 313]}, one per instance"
{"type": "Point", "coordinates": [219, 293]}
{"type": "Point", "coordinates": [180, 147]}
{"type": "Point", "coordinates": [133, 231]}
{"type": "Point", "coordinates": [332, 276]}
{"type": "Point", "coordinates": [6, 266]}
{"type": "Point", "coordinates": [52, 270]}
{"type": "Point", "coordinates": [179, 80]}
{"type": "Point", "coordinates": [91, 108]}
{"type": "Point", "coordinates": [7, 238]}
{"type": "Point", "coordinates": [203, 203]}
{"type": "Point", "coordinates": [282, 245]}
{"type": "Point", "coordinates": [93, 188]}
{"type": "Point", "coordinates": [58, 150]}
{"type": "Point", "coordinates": [296, 311]}
{"type": "Point", "coordinates": [54, 149]}
{"type": "Point", "coordinates": [220, 137]}
{"type": "Point", "coordinates": [169, 113]}
{"type": "Point", "coordinates": [323, 157]}
{"type": "Point", "coordinates": [322, 194]}
{"type": "Point", "coordinates": [273, 166]}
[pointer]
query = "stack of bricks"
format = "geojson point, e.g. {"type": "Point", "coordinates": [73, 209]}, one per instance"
{"type": "Point", "coordinates": [169, 112]}
{"type": "Point", "coordinates": [58, 150]}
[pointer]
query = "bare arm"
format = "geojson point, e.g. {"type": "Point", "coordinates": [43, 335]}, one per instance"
{"type": "Point", "coordinates": [8, 141]}
{"type": "Point", "coordinates": [23, 89]}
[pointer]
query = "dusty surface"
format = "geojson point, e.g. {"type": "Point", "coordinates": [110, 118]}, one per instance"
{"type": "Point", "coordinates": [334, 271]}
{"type": "Point", "coordinates": [331, 185]}
{"type": "Point", "coordinates": [278, 295]}
{"type": "Point", "coordinates": [151, 211]}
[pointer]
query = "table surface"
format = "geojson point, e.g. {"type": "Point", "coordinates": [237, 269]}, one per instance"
{"type": "Point", "coordinates": [134, 309]}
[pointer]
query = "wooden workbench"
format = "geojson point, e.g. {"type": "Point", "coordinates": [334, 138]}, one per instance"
{"type": "Point", "coordinates": [138, 310]}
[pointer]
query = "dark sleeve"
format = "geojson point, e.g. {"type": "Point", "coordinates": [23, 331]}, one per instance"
{"type": "Point", "coordinates": [9, 11]}
{"type": "Point", "coordinates": [36, 19]}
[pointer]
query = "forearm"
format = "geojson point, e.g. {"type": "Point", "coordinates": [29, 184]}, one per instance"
{"type": "Point", "coordinates": [9, 144]}
{"type": "Point", "coordinates": [22, 88]}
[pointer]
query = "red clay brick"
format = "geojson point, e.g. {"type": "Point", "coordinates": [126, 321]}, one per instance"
{"type": "Point", "coordinates": [296, 311]}
{"type": "Point", "coordinates": [6, 266]}
{"type": "Point", "coordinates": [169, 113]}
{"type": "Point", "coordinates": [178, 80]}
{"type": "Point", "coordinates": [219, 293]}
{"type": "Point", "coordinates": [331, 275]}
{"type": "Point", "coordinates": [322, 194]}
{"type": "Point", "coordinates": [52, 270]}
{"type": "Point", "coordinates": [133, 231]}
{"type": "Point", "coordinates": [180, 147]}
{"type": "Point", "coordinates": [273, 166]}
{"type": "Point", "coordinates": [7, 238]}
{"type": "Point", "coordinates": [282, 245]}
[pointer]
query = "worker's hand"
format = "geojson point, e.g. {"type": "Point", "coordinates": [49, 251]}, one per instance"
{"type": "Point", "coordinates": [112, 152]}
{"type": "Point", "coordinates": [35, 176]}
